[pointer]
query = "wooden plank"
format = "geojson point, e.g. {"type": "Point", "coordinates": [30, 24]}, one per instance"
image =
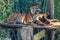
{"type": "Point", "coordinates": [39, 35]}
{"type": "Point", "coordinates": [27, 33]}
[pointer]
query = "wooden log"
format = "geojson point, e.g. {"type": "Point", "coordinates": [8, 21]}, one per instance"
{"type": "Point", "coordinates": [27, 33]}
{"type": "Point", "coordinates": [39, 35]}
{"type": "Point", "coordinates": [5, 25]}
{"type": "Point", "coordinates": [55, 23]}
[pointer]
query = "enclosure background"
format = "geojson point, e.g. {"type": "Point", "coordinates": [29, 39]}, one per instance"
{"type": "Point", "coordinates": [8, 7]}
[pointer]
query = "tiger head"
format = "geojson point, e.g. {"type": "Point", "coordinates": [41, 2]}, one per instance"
{"type": "Point", "coordinates": [35, 10]}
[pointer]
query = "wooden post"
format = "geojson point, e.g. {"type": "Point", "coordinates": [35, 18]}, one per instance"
{"type": "Point", "coordinates": [51, 8]}
{"type": "Point", "coordinates": [27, 33]}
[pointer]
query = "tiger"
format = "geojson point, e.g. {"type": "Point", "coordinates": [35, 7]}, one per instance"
{"type": "Point", "coordinates": [23, 17]}
{"type": "Point", "coordinates": [30, 18]}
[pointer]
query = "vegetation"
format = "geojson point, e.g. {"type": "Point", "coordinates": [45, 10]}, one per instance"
{"type": "Point", "coordinates": [8, 7]}
{"type": "Point", "coordinates": [5, 8]}
{"type": "Point", "coordinates": [57, 9]}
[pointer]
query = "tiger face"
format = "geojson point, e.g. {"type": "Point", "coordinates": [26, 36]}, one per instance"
{"type": "Point", "coordinates": [35, 10]}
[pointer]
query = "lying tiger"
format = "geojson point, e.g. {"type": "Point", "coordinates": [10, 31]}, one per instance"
{"type": "Point", "coordinates": [29, 18]}
{"type": "Point", "coordinates": [24, 18]}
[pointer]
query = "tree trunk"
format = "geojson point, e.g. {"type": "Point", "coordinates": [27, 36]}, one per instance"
{"type": "Point", "coordinates": [51, 8]}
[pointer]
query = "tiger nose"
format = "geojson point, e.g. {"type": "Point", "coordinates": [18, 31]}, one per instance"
{"type": "Point", "coordinates": [37, 10]}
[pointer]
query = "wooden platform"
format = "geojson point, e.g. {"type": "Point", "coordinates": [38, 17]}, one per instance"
{"type": "Point", "coordinates": [27, 30]}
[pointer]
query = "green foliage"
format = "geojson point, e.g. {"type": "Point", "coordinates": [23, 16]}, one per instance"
{"type": "Point", "coordinates": [5, 8]}
{"type": "Point", "coordinates": [3, 34]}
{"type": "Point", "coordinates": [57, 9]}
